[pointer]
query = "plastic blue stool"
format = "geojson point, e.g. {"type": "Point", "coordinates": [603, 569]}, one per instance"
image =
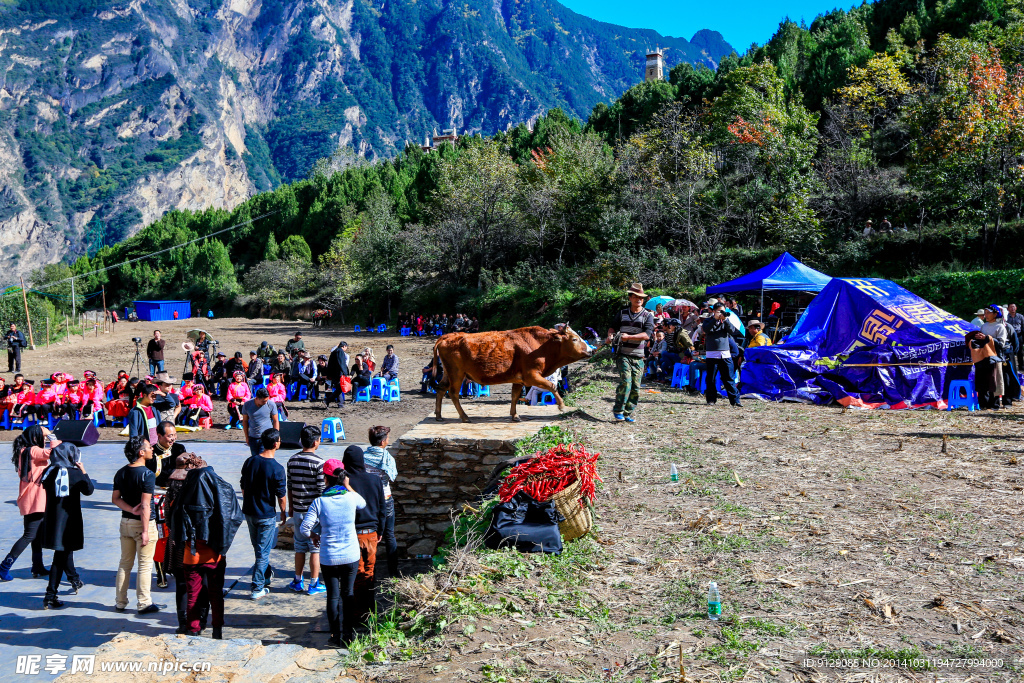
{"type": "Point", "coordinates": [99, 418]}
{"type": "Point", "coordinates": [698, 379]}
{"type": "Point", "coordinates": [955, 400]}
{"type": "Point", "coordinates": [303, 392]}
{"type": "Point", "coordinates": [358, 329]}
{"type": "Point", "coordinates": [332, 429]}
{"type": "Point", "coordinates": [405, 331]}
{"type": "Point", "coordinates": [382, 328]}
{"type": "Point", "coordinates": [5, 420]}
{"type": "Point", "coordinates": [24, 422]}
{"type": "Point", "coordinates": [289, 392]}
{"type": "Point", "coordinates": [377, 388]}
{"type": "Point", "coordinates": [392, 393]}
{"type": "Point", "coordinates": [483, 390]}
{"type": "Point", "coordinates": [679, 379]}
{"type": "Point", "coordinates": [363, 395]}
{"type": "Point", "coordinates": [547, 399]}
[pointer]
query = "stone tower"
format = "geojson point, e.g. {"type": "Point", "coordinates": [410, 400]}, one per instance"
{"type": "Point", "coordinates": [655, 65]}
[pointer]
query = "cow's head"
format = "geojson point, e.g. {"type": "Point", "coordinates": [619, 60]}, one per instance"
{"type": "Point", "coordinates": [573, 346]}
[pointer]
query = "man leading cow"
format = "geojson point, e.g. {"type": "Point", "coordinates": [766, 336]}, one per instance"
{"type": "Point", "coordinates": [630, 331]}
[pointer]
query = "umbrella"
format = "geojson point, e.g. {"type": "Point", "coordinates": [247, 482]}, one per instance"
{"type": "Point", "coordinates": [735, 319]}
{"type": "Point", "coordinates": [194, 334]}
{"type": "Point", "coordinates": [685, 302]}
{"type": "Point", "coordinates": [653, 302]}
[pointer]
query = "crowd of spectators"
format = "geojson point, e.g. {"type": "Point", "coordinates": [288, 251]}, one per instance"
{"type": "Point", "coordinates": [438, 323]}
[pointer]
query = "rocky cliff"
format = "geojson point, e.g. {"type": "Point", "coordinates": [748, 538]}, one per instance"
{"type": "Point", "coordinates": [112, 113]}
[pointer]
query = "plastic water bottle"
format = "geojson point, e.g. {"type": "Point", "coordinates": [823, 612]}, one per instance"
{"type": "Point", "coordinates": [714, 602]}
{"type": "Point", "coordinates": [673, 473]}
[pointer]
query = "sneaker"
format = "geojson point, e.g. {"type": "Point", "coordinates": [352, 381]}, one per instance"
{"type": "Point", "coordinates": [256, 595]}
{"type": "Point", "coordinates": [270, 574]}
{"type": "Point", "coordinates": [316, 588]}
{"type": "Point", "coordinates": [618, 417]}
{"type": "Point", "coordinates": [630, 418]}
{"type": "Point", "coordinates": [298, 586]}
{"type": "Point", "coordinates": [227, 426]}
{"type": "Point", "coordinates": [75, 586]}
{"type": "Point", "coordinates": [151, 608]}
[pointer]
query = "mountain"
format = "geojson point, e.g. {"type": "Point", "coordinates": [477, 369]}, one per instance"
{"type": "Point", "coordinates": [112, 113]}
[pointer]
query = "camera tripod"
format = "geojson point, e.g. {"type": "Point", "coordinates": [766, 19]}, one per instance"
{"type": "Point", "coordinates": [137, 363]}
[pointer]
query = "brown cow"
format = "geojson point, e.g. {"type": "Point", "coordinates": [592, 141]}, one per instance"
{"type": "Point", "coordinates": [521, 357]}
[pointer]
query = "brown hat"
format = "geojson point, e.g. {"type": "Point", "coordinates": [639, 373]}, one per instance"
{"type": "Point", "coordinates": [638, 289]}
{"type": "Point", "coordinates": [755, 323]}
{"type": "Point", "coordinates": [164, 378]}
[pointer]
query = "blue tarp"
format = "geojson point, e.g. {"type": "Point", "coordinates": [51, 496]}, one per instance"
{"type": "Point", "coordinates": [784, 273]}
{"type": "Point", "coordinates": [163, 310]}
{"type": "Point", "coordinates": [867, 343]}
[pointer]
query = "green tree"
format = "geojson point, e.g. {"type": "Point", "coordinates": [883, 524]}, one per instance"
{"type": "Point", "coordinates": [295, 247]}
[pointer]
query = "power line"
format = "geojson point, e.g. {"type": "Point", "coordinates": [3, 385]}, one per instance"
{"type": "Point", "coordinates": [145, 256]}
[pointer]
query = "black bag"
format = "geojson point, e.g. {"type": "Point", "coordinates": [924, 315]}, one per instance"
{"type": "Point", "coordinates": [526, 525]}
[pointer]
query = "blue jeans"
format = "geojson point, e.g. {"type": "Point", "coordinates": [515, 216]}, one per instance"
{"type": "Point", "coordinates": [155, 366]}
{"type": "Point", "coordinates": [263, 535]}
{"type": "Point", "coordinates": [255, 446]}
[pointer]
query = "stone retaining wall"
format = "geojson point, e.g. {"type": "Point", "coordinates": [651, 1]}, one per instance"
{"type": "Point", "coordinates": [439, 475]}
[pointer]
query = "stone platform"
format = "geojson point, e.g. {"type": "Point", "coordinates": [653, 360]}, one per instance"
{"type": "Point", "coordinates": [444, 464]}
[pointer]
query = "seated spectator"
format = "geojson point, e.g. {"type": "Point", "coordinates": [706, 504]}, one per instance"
{"type": "Point", "coordinates": [254, 375]}
{"type": "Point", "coordinates": [658, 350]}
{"type": "Point", "coordinates": [236, 363]}
{"type": "Point", "coordinates": [321, 377]}
{"type": "Point", "coordinates": [187, 386]}
{"type": "Point", "coordinates": [474, 325]}
{"type": "Point", "coordinates": [219, 374]}
{"type": "Point", "coordinates": [307, 373]}
{"type": "Point", "coordinates": [294, 345]}
{"type": "Point", "coordinates": [361, 376]}
{"type": "Point", "coordinates": [278, 392]}
{"type": "Point", "coordinates": [281, 365]}
{"type": "Point", "coordinates": [25, 399]}
{"type": "Point", "coordinates": [236, 394]}
{"type": "Point", "coordinates": [660, 314]}
{"type": "Point", "coordinates": [429, 380]}
{"type": "Point", "coordinates": [389, 366]}
{"type": "Point", "coordinates": [266, 352]}
{"type": "Point", "coordinates": [90, 397]}
{"type": "Point", "coordinates": [757, 336]}
{"type": "Point", "coordinates": [122, 401]}
{"type": "Point", "coordinates": [197, 406]}
{"type": "Point", "coordinates": [534, 394]}
{"type": "Point", "coordinates": [368, 359]}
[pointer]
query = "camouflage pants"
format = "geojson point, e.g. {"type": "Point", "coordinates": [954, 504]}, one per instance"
{"type": "Point", "coordinates": [627, 394]}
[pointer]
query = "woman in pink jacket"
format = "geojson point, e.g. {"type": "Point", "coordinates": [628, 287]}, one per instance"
{"type": "Point", "coordinates": [90, 397]}
{"type": "Point", "coordinates": [197, 405]}
{"type": "Point", "coordinates": [278, 392]}
{"type": "Point", "coordinates": [31, 457]}
{"type": "Point", "coordinates": [237, 394]}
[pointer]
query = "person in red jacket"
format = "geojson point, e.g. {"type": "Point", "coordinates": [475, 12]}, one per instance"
{"type": "Point", "coordinates": [24, 400]}
{"type": "Point", "coordinates": [237, 394]}
{"type": "Point", "coordinates": [197, 405]}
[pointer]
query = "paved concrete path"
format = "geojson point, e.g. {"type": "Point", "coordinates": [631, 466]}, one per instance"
{"type": "Point", "coordinates": [89, 619]}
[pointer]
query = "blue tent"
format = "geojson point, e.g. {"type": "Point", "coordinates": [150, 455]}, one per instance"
{"type": "Point", "coordinates": [163, 310]}
{"type": "Point", "coordinates": [867, 343]}
{"type": "Point", "coordinates": [784, 273]}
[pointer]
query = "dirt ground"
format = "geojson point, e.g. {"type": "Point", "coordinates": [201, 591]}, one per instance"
{"type": "Point", "coordinates": [847, 534]}
{"type": "Point", "coordinates": [873, 535]}
{"type": "Point", "coordinates": [106, 354]}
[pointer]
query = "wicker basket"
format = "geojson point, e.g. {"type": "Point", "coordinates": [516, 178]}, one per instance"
{"type": "Point", "coordinates": [577, 516]}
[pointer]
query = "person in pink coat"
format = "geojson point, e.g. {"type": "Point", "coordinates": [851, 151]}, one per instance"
{"type": "Point", "coordinates": [278, 392]}
{"type": "Point", "coordinates": [31, 458]}
{"type": "Point", "coordinates": [237, 394]}
{"type": "Point", "coordinates": [197, 405]}
{"type": "Point", "coordinates": [90, 398]}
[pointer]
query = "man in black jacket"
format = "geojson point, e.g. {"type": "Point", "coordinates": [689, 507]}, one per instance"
{"type": "Point", "coordinates": [717, 331]}
{"type": "Point", "coordinates": [369, 526]}
{"type": "Point", "coordinates": [15, 343]}
{"type": "Point", "coordinates": [337, 367]}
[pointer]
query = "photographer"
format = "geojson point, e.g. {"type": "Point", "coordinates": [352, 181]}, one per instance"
{"type": "Point", "coordinates": [155, 353]}
{"type": "Point", "coordinates": [717, 332]}
{"type": "Point", "coordinates": [15, 343]}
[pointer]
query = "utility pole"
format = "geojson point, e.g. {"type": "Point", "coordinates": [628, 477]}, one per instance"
{"type": "Point", "coordinates": [28, 318]}
{"type": "Point", "coordinates": [104, 289]}
{"type": "Point", "coordinates": [72, 297]}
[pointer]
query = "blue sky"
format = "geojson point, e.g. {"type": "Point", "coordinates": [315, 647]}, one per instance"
{"type": "Point", "coordinates": [740, 21]}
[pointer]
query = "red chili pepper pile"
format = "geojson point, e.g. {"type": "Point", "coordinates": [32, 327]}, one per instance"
{"type": "Point", "coordinates": [545, 474]}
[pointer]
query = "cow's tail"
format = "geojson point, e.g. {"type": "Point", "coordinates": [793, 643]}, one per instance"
{"type": "Point", "coordinates": [437, 359]}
